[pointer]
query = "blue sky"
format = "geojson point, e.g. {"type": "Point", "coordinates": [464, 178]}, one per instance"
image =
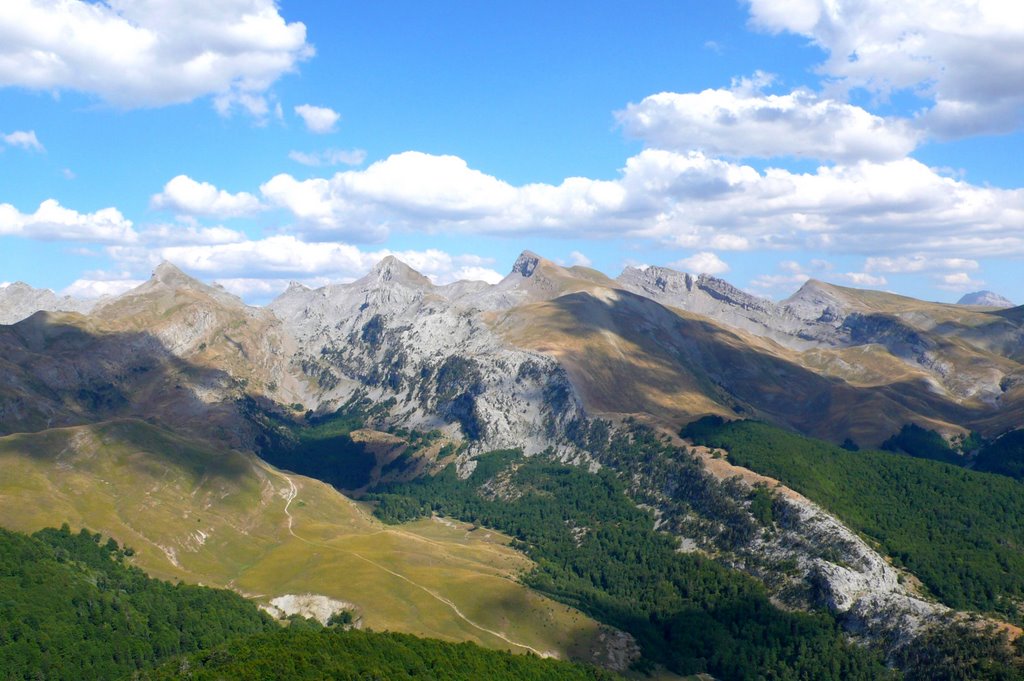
{"type": "Point", "coordinates": [764, 141]}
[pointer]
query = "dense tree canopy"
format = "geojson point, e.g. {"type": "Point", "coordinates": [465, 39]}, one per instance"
{"type": "Point", "coordinates": [597, 550]}
{"type": "Point", "coordinates": [1004, 456]}
{"type": "Point", "coordinates": [71, 609]}
{"type": "Point", "coordinates": [309, 654]}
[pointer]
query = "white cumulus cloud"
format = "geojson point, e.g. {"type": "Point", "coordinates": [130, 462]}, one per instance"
{"type": "Point", "coordinates": [53, 222]}
{"type": "Point", "coordinates": [794, 275]}
{"type": "Point", "coordinates": [704, 262]}
{"type": "Point", "coordinates": [958, 281]}
{"type": "Point", "coordinates": [689, 200]}
{"type": "Point", "coordinates": [188, 232]}
{"type": "Point", "coordinates": [413, 190]}
{"type": "Point", "coordinates": [318, 119]}
{"type": "Point", "coordinates": [95, 288]}
{"type": "Point", "coordinates": [858, 208]}
{"type": "Point", "coordinates": [776, 283]}
{"type": "Point", "coordinates": [186, 196]}
{"type": "Point", "coordinates": [473, 273]}
{"type": "Point", "coordinates": [962, 56]}
{"type": "Point", "coordinates": [577, 258]}
{"type": "Point", "coordinates": [864, 279]}
{"type": "Point", "coordinates": [917, 263]}
{"type": "Point", "coordinates": [740, 122]}
{"type": "Point", "coordinates": [145, 53]}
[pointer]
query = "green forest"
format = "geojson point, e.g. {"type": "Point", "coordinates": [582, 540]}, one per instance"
{"type": "Point", "coordinates": [960, 531]}
{"type": "Point", "coordinates": [311, 654]}
{"type": "Point", "coordinates": [596, 550]}
{"type": "Point", "coordinates": [1004, 456]}
{"type": "Point", "coordinates": [71, 608]}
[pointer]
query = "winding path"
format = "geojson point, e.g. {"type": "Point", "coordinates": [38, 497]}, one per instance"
{"type": "Point", "coordinates": [290, 496]}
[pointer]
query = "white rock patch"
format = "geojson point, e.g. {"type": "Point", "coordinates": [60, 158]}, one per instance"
{"type": "Point", "coordinates": [315, 606]}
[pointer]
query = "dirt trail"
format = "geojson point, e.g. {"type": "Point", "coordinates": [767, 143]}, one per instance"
{"type": "Point", "coordinates": [290, 497]}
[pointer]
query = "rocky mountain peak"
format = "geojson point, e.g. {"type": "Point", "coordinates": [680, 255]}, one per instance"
{"type": "Point", "coordinates": [167, 273]}
{"type": "Point", "coordinates": [391, 269]}
{"type": "Point", "coordinates": [159, 293]}
{"type": "Point", "coordinates": [660, 279]}
{"type": "Point", "coordinates": [816, 301]}
{"type": "Point", "coordinates": [985, 299]}
{"type": "Point", "coordinates": [20, 286]}
{"type": "Point", "coordinates": [526, 264]}
{"type": "Point", "coordinates": [720, 288]}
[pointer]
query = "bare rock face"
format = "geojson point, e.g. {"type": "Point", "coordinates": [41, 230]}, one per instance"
{"type": "Point", "coordinates": [19, 301]}
{"type": "Point", "coordinates": [806, 556]}
{"type": "Point", "coordinates": [854, 580]}
{"type": "Point", "coordinates": [395, 337]}
{"type": "Point", "coordinates": [314, 606]}
{"type": "Point", "coordinates": [723, 302]}
{"type": "Point", "coordinates": [526, 264]}
{"type": "Point", "coordinates": [814, 302]}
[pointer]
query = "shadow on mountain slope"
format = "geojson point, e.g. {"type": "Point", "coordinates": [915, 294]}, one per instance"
{"type": "Point", "coordinates": [627, 354]}
{"type": "Point", "coordinates": [58, 370]}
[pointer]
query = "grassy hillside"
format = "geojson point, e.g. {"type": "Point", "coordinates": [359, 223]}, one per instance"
{"type": "Point", "coordinates": [629, 355]}
{"type": "Point", "coordinates": [72, 609]}
{"type": "Point", "coordinates": [222, 518]}
{"type": "Point", "coordinates": [961, 532]}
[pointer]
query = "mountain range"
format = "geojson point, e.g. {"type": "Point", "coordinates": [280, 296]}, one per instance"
{"type": "Point", "coordinates": [155, 416]}
{"type": "Point", "coordinates": [517, 363]}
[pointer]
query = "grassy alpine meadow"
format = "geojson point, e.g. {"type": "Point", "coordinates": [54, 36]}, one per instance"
{"type": "Point", "coordinates": [224, 518]}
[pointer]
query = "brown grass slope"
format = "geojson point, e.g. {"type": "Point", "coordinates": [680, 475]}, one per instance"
{"type": "Point", "coordinates": [630, 355]}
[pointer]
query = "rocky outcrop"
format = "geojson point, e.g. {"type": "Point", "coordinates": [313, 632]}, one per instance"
{"type": "Point", "coordinates": [712, 297]}
{"type": "Point", "coordinates": [849, 578]}
{"type": "Point", "coordinates": [425, 351]}
{"type": "Point", "coordinates": [805, 556]}
{"type": "Point", "coordinates": [313, 606]}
